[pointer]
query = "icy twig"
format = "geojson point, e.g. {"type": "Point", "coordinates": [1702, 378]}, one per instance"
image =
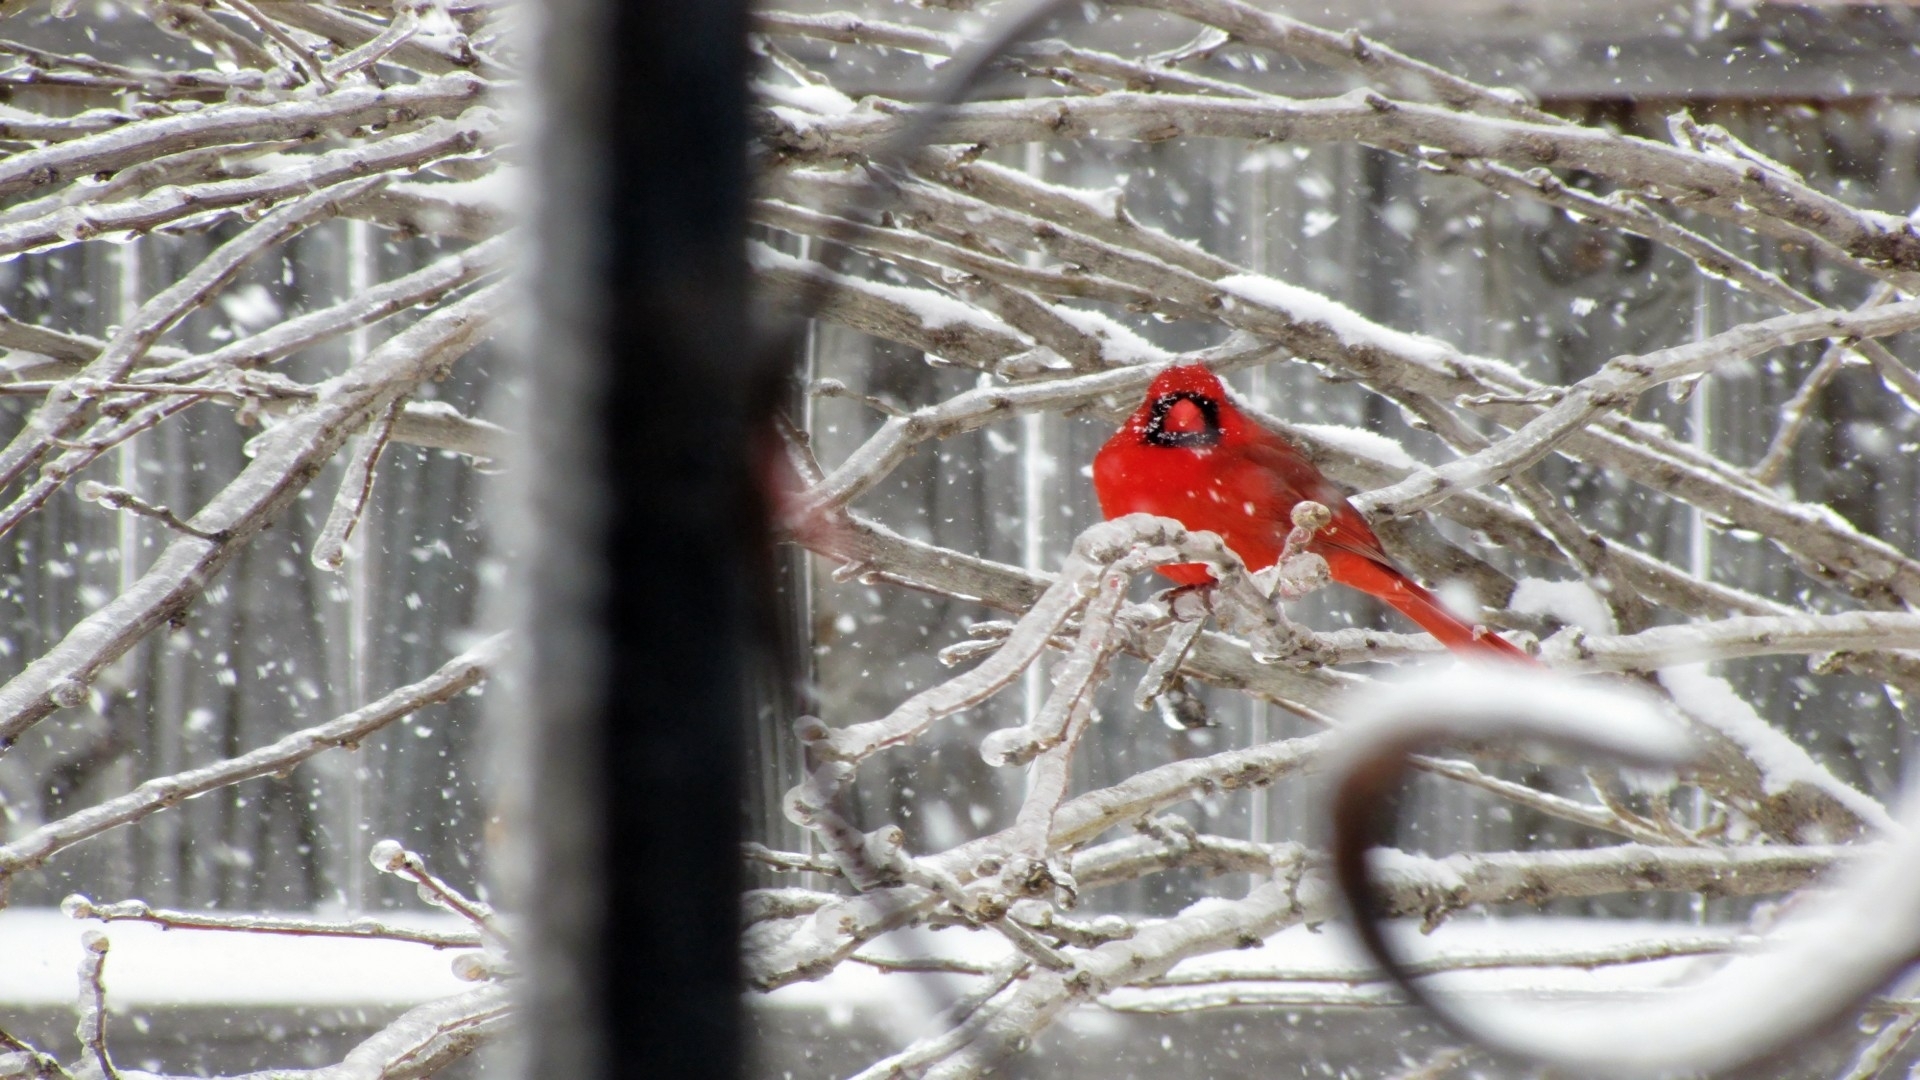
{"type": "Point", "coordinates": [65, 409]}
{"type": "Point", "coordinates": [391, 857]}
{"type": "Point", "coordinates": [1585, 958]}
{"type": "Point", "coordinates": [184, 169]}
{"type": "Point", "coordinates": [1630, 214]}
{"type": "Point", "coordinates": [1350, 51]}
{"type": "Point", "coordinates": [960, 1020]}
{"type": "Point", "coordinates": [1061, 343]}
{"type": "Point", "coordinates": [1893, 1034]}
{"type": "Point", "coordinates": [404, 24]}
{"type": "Point", "coordinates": [1061, 723]}
{"type": "Point", "coordinates": [923, 965]}
{"type": "Point", "coordinates": [343, 110]}
{"type": "Point", "coordinates": [426, 53]}
{"type": "Point", "coordinates": [850, 29]}
{"type": "Point", "coordinates": [855, 920]}
{"type": "Point", "coordinates": [918, 251]}
{"type": "Point", "coordinates": [45, 1066]}
{"type": "Point", "coordinates": [1163, 671]}
{"type": "Point", "coordinates": [410, 149]}
{"type": "Point", "coordinates": [1797, 411]}
{"type": "Point", "coordinates": [80, 907]}
{"type": "Point", "coordinates": [1084, 668]}
{"type": "Point", "coordinates": [1707, 138]}
{"type": "Point", "coordinates": [1047, 59]}
{"type": "Point", "coordinates": [1597, 560]}
{"type": "Point", "coordinates": [455, 677]}
{"type": "Point", "coordinates": [1617, 384]}
{"type": "Point", "coordinates": [788, 861]}
{"type": "Point", "coordinates": [1433, 889]}
{"type": "Point", "coordinates": [1011, 1021]}
{"type": "Point", "coordinates": [423, 286]}
{"type": "Point", "coordinates": [761, 905]}
{"type": "Point", "coordinates": [834, 388]}
{"type": "Point", "coordinates": [78, 453]}
{"type": "Point", "coordinates": [356, 487]}
{"type": "Point", "coordinates": [38, 389]}
{"type": "Point", "coordinates": [119, 77]}
{"type": "Point", "coordinates": [421, 1042]}
{"type": "Point", "coordinates": [1728, 639]}
{"type": "Point", "coordinates": [883, 311]}
{"type": "Point", "coordinates": [870, 860]}
{"type": "Point", "coordinates": [303, 56]}
{"type": "Point", "coordinates": [92, 1026]}
{"type": "Point", "coordinates": [1021, 648]}
{"type": "Point", "coordinates": [122, 499]}
{"type": "Point", "coordinates": [1872, 238]}
{"type": "Point", "coordinates": [187, 19]}
{"type": "Point", "coordinates": [286, 459]}
{"type": "Point", "coordinates": [1594, 817]}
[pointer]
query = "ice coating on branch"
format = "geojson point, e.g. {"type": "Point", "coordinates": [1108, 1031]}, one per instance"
{"type": "Point", "coordinates": [1783, 762]}
{"type": "Point", "coordinates": [934, 310]}
{"type": "Point", "coordinates": [388, 856]}
{"type": "Point", "coordinates": [817, 98]}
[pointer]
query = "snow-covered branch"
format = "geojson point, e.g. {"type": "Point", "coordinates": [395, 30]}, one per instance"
{"type": "Point", "coordinates": [80, 907]}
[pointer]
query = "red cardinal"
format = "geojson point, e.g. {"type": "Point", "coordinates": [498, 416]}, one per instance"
{"type": "Point", "coordinates": [1188, 454]}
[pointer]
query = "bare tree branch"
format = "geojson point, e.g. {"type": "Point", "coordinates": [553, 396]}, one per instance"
{"type": "Point", "coordinates": [457, 676]}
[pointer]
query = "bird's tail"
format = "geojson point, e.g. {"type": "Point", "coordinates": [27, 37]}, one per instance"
{"type": "Point", "coordinates": [1424, 608]}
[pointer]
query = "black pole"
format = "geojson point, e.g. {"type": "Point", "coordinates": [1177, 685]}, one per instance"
{"type": "Point", "coordinates": [637, 543]}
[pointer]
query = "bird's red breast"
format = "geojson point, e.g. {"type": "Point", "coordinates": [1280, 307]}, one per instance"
{"type": "Point", "coordinates": [1189, 454]}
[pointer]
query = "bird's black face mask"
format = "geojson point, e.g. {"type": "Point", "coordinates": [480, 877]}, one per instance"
{"type": "Point", "coordinates": [1196, 426]}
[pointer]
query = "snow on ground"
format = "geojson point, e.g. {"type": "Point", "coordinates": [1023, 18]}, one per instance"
{"type": "Point", "coordinates": [148, 966]}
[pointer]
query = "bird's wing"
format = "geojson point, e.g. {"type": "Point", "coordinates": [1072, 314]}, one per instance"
{"type": "Point", "coordinates": [1295, 479]}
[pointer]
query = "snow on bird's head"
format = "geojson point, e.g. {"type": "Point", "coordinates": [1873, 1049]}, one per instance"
{"type": "Point", "coordinates": [1187, 379]}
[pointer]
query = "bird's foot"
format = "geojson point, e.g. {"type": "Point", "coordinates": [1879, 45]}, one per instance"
{"type": "Point", "coordinates": [1188, 603]}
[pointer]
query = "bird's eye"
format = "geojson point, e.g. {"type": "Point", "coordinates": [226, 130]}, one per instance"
{"type": "Point", "coordinates": [1184, 419]}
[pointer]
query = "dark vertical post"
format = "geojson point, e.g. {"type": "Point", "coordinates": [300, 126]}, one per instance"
{"type": "Point", "coordinates": [634, 542]}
